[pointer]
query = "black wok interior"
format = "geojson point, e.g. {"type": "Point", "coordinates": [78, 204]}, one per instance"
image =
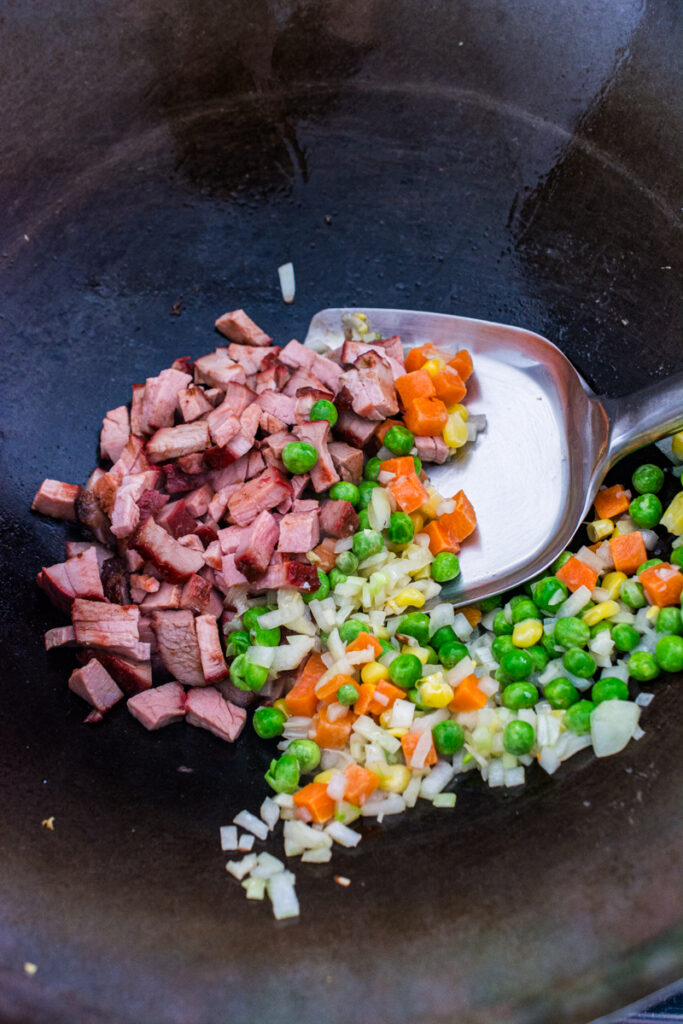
{"type": "Point", "coordinates": [511, 161]}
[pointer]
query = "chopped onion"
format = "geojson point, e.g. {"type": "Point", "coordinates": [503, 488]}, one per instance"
{"type": "Point", "coordinates": [402, 714]}
{"type": "Point", "coordinates": [263, 656]}
{"type": "Point", "coordinates": [439, 777]}
{"type": "Point", "coordinates": [246, 842]}
{"type": "Point", "coordinates": [643, 700]}
{"type": "Point", "coordinates": [290, 656]}
{"type": "Point", "coordinates": [249, 822]}
{"type": "Point", "coordinates": [280, 889]}
{"type": "Point", "coordinates": [612, 725]}
{"type": "Point", "coordinates": [488, 686]}
{"type": "Point", "coordinates": [336, 787]}
{"type": "Point", "coordinates": [496, 773]}
{"type": "Point", "coordinates": [319, 856]}
{"type": "Point", "coordinates": [650, 538]}
{"type": "Point", "coordinates": [465, 667]}
{"type": "Point", "coordinates": [514, 777]}
{"type": "Point", "coordinates": [379, 509]}
{"type": "Point", "coordinates": [342, 834]}
{"type": "Point", "coordinates": [336, 711]}
{"type": "Point", "coordinates": [305, 836]}
{"type": "Point", "coordinates": [375, 806]}
{"type": "Point", "coordinates": [461, 627]}
{"type": "Point", "coordinates": [239, 868]}
{"type": "Point", "coordinates": [229, 837]}
{"type": "Point", "coordinates": [267, 866]}
{"type": "Point", "coordinates": [574, 603]}
{"type": "Point", "coordinates": [269, 812]}
{"type": "Point", "coordinates": [287, 283]}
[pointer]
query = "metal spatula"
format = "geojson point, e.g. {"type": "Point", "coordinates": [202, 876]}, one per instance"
{"type": "Point", "coordinates": [549, 441]}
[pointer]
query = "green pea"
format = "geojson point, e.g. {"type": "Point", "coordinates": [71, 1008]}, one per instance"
{"type": "Point", "coordinates": [648, 479]}
{"type": "Point", "coordinates": [517, 664]}
{"type": "Point", "coordinates": [237, 672]}
{"type": "Point", "coordinates": [451, 653]}
{"type": "Point", "coordinates": [432, 656]}
{"type": "Point", "coordinates": [550, 647]}
{"type": "Point", "coordinates": [365, 489]}
{"type": "Point", "coordinates": [445, 566]}
{"type": "Point", "coordinates": [670, 620]}
{"type": "Point", "coordinates": [349, 630]}
{"type": "Point", "coordinates": [399, 440]}
{"type": "Point", "coordinates": [539, 657]}
{"type": "Point", "coordinates": [489, 603]}
{"type": "Point", "coordinates": [346, 562]}
{"type": "Point", "coordinates": [549, 593]}
{"type": "Point", "coordinates": [571, 632]}
{"type": "Point", "coordinates": [501, 645]}
{"type": "Point", "coordinates": [523, 609]}
{"type": "Point", "coordinates": [648, 565]}
{"type": "Point", "coordinates": [642, 666]}
{"type": "Point", "coordinates": [501, 626]}
{"type": "Point", "coordinates": [417, 462]}
{"type": "Point", "coordinates": [323, 410]}
{"type": "Point", "coordinates": [676, 556]}
{"type": "Point", "coordinates": [579, 663]}
{"type": "Point", "coordinates": [237, 643]}
{"type": "Point", "coordinates": [609, 688]}
{"type": "Point", "coordinates": [600, 627]}
{"type": "Point", "coordinates": [252, 615]}
{"type": "Point", "coordinates": [283, 774]}
{"type": "Point", "coordinates": [415, 624]}
{"type": "Point", "coordinates": [335, 577]}
{"type": "Point", "coordinates": [448, 737]}
{"type": "Point", "coordinates": [632, 594]}
{"type": "Point", "coordinates": [347, 694]}
{"type": "Point", "coordinates": [265, 637]}
{"type": "Point", "coordinates": [444, 635]}
{"type": "Point", "coordinates": [401, 528]}
{"type": "Point", "coordinates": [518, 738]}
{"type": "Point", "coordinates": [520, 695]}
{"type": "Point", "coordinates": [323, 590]}
{"type": "Point", "coordinates": [372, 468]}
{"type": "Point", "coordinates": [254, 676]}
{"type": "Point", "coordinates": [299, 456]}
{"type": "Point", "coordinates": [578, 717]}
{"type": "Point", "coordinates": [560, 693]}
{"type": "Point", "coordinates": [344, 490]}
{"type": "Point", "coordinates": [560, 561]}
{"type": "Point", "coordinates": [405, 670]}
{"type": "Point", "coordinates": [363, 519]}
{"type": "Point", "coordinates": [367, 543]}
{"type": "Point", "coordinates": [646, 511]}
{"type": "Point", "coordinates": [268, 722]}
{"type": "Point", "coordinates": [503, 678]}
{"type": "Point", "coordinates": [413, 696]}
{"type": "Point", "coordinates": [669, 653]}
{"type": "Point", "coordinates": [625, 637]}
{"type": "Point", "coordinates": [306, 752]}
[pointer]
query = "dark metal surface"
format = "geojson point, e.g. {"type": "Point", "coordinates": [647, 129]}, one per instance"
{"type": "Point", "coordinates": [514, 162]}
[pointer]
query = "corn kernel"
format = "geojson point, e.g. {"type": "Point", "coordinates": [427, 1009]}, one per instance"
{"type": "Point", "coordinates": [652, 613]}
{"type": "Point", "coordinates": [435, 692]}
{"type": "Point", "coordinates": [455, 431]}
{"type": "Point", "coordinates": [673, 517]}
{"type": "Point", "coordinates": [420, 652]}
{"type": "Point", "coordinates": [409, 596]}
{"type": "Point", "coordinates": [677, 445]}
{"type": "Point", "coordinates": [281, 705]}
{"type": "Point", "coordinates": [417, 520]}
{"type": "Point", "coordinates": [428, 510]}
{"type": "Point", "coordinates": [422, 574]}
{"type": "Point", "coordinates": [392, 777]}
{"type": "Point", "coordinates": [604, 610]}
{"type": "Point", "coordinates": [460, 409]}
{"type": "Point", "coordinates": [324, 776]}
{"type": "Point", "coordinates": [433, 366]}
{"type": "Point", "coordinates": [372, 672]}
{"type": "Point", "coordinates": [385, 719]}
{"type": "Point", "coordinates": [612, 584]}
{"type": "Point", "coordinates": [599, 529]}
{"type": "Point", "coordinates": [527, 633]}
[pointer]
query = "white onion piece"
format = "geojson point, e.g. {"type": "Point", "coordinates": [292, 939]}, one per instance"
{"type": "Point", "coordinates": [267, 866]}
{"type": "Point", "coordinates": [281, 892]}
{"type": "Point", "coordinates": [229, 837]}
{"type": "Point", "coordinates": [650, 538]}
{"type": "Point", "coordinates": [393, 803]}
{"type": "Point", "coordinates": [336, 787]}
{"type": "Point", "coordinates": [269, 812]}
{"type": "Point", "coordinates": [287, 282]}
{"type": "Point", "coordinates": [402, 714]}
{"type": "Point", "coordinates": [574, 603]}
{"type": "Point", "coordinates": [342, 834]}
{"type": "Point", "coordinates": [455, 675]}
{"type": "Point", "coordinates": [439, 777]}
{"type": "Point", "coordinates": [613, 723]}
{"type": "Point", "coordinates": [643, 700]}
{"type": "Point", "coordinates": [263, 656]}
{"type": "Point", "coordinates": [379, 509]}
{"type": "Point", "coordinates": [319, 856]}
{"type": "Point", "coordinates": [250, 823]}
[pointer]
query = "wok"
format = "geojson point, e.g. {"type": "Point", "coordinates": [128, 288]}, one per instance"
{"type": "Point", "coordinates": [511, 162]}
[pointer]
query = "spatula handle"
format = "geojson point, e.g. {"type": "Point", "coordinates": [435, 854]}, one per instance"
{"type": "Point", "coordinates": [639, 419]}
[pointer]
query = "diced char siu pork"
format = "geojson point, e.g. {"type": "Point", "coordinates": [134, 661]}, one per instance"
{"type": "Point", "coordinates": [251, 358]}
{"type": "Point", "coordinates": [151, 503]}
{"type": "Point", "coordinates": [218, 370]}
{"type": "Point", "coordinates": [270, 424]}
{"type": "Point", "coordinates": [276, 442]}
{"type": "Point", "coordinates": [432, 449]}
{"type": "Point", "coordinates": [262, 493]}
{"type": "Point", "coordinates": [338, 518]}
{"type": "Point", "coordinates": [115, 433]}
{"type": "Point", "coordinates": [197, 502]}
{"type": "Point", "coordinates": [167, 596]}
{"type": "Point", "coordinates": [173, 562]}
{"type": "Point", "coordinates": [60, 636]}
{"type": "Point", "coordinates": [91, 514]}
{"type": "Point", "coordinates": [212, 555]}
{"type": "Point", "coordinates": [158, 707]}
{"type": "Point", "coordinates": [219, 502]}
{"type": "Point", "coordinates": [272, 378]}
{"type": "Point", "coordinates": [255, 465]}
{"type": "Point", "coordinates": [354, 352]}
{"type": "Point", "coordinates": [279, 405]}
{"type": "Point", "coordinates": [223, 424]}
{"type": "Point", "coordinates": [178, 648]}
{"type": "Point", "coordinates": [299, 531]}
{"type": "Point", "coordinates": [323, 474]}
{"type": "Point", "coordinates": [294, 354]}
{"type": "Point", "coordinates": [348, 461]}
{"type": "Point", "coordinates": [325, 554]}
{"type": "Point", "coordinates": [77, 547]}
{"type": "Point", "coordinates": [210, 649]}
{"type": "Point", "coordinates": [238, 397]}
{"type": "Point", "coordinates": [93, 683]}
{"type": "Point", "coordinates": [305, 505]}
{"type": "Point", "coordinates": [57, 499]}
{"type": "Point", "coordinates": [160, 399]}
{"type": "Point", "coordinates": [143, 581]}
{"type": "Point", "coordinates": [288, 574]}
{"type": "Point", "coordinates": [249, 424]}
{"type": "Point", "coordinates": [256, 546]}
{"type": "Point", "coordinates": [125, 514]}
{"type": "Point", "coordinates": [370, 389]}
{"type": "Point", "coordinates": [231, 537]}
{"type": "Point", "coordinates": [306, 399]}
{"type": "Point", "coordinates": [77, 577]}
{"type": "Point", "coordinates": [172, 442]}
{"type": "Point", "coordinates": [354, 429]}
{"type": "Point", "coordinates": [183, 363]}
{"type": "Point", "coordinates": [112, 627]}
{"type": "Point", "coordinates": [131, 676]}
{"type": "Point", "coordinates": [196, 595]}
{"type": "Point", "coordinates": [207, 709]}
{"type": "Point", "coordinates": [137, 399]}
{"type": "Point", "coordinates": [193, 465]}
{"type": "Point", "coordinates": [235, 473]}
{"type": "Point", "coordinates": [304, 379]}
{"type": "Point", "coordinates": [176, 519]}
{"type": "Point", "coordinates": [115, 583]}
{"type": "Point", "coordinates": [240, 328]}
{"type": "Point", "coordinates": [193, 403]}
{"type": "Point", "coordinates": [231, 576]}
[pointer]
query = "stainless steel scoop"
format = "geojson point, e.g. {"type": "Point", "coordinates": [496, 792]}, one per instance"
{"type": "Point", "coordinates": [549, 441]}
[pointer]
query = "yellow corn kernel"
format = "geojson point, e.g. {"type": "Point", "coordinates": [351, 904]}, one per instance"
{"type": "Point", "coordinates": [324, 776]}
{"type": "Point", "coordinates": [418, 521]}
{"type": "Point", "coordinates": [612, 584]}
{"type": "Point", "coordinates": [398, 732]}
{"type": "Point", "coordinates": [372, 672]}
{"type": "Point", "coordinates": [409, 596]}
{"type": "Point", "coordinates": [435, 692]}
{"type": "Point", "coordinates": [428, 510]}
{"type": "Point", "coordinates": [392, 777]}
{"type": "Point", "coordinates": [455, 431]}
{"type": "Point", "coordinates": [604, 610]}
{"type": "Point", "coordinates": [281, 705]}
{"type": "Point", "coordinates": [460, 409]}
{"type": "Point", "coordinates": [527, 633]}
{"type": "Point", "coordinates": [421, 574]}
{"type": "Point", "coordinates": [420, 652]}
{"type": "Point", "coordinates": [673, 517]}
{"type": "Point", "coordinates": [433, 366]}
{"type": "Point", "coordinates": [599, 529]}
{"type": "Point", "coordinates": [385, 719]}
{"type": "Point", "coordinates": [652, 613]}
{"type": "Point", "coordinates": [677, 444]}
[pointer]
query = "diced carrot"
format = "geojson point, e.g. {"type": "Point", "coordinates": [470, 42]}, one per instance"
{"type": "Point", "coordinates": [663, 584]}
{"type": "Point", "coordinates": [384, 696]}
{"type": "Point", "coordinates": [326, 554]}
{"type": "Point", "coordinates": [362, 642]}
{"type": "Point", "coordinates": [408, 492]}
{"type": "Point", "coordinates": [332, 735]}
{"type": "Point", "coordinates": [462, 521]}
{"type": "Point", "coordinates": [426, 417]}
{"type": "Point", "coordinates": [467, 696]}
{"type": "Point", "coordinates": [386, 426]}
{"type": "Point", "coordinates": [611, 501]}
{"type": "Point", "coordinates": [366, 692]}
{"type": "Point", "coordinates": [575, 573]}
{"type": "Point", "coordinates": [416, 358]}
{"type": "Point", "coordinates": [314, 797]}
{"type": "Point", "coordinates": [401, 466]}
{"type": "Point", "coordinates": [417, 384]}
{"type": "Point", "coordinates": [449, 386]}
{"type": "Point", "coordinates": [628, 551]}
{"type": "Point", "coordinates": [462, 362]}
{"type": "Point", "coordinates": [472, 614]}
{"type": "Point", "coordinates": [409, 742]}
{"type": "Point", "coordinates": [440, 537]}
{"type": "Point", "coordinates": [302, 698]}
{"type": "Point", "coordinates": [360, 784]}
{"type": "Point", "coordinates": [328, 690]}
